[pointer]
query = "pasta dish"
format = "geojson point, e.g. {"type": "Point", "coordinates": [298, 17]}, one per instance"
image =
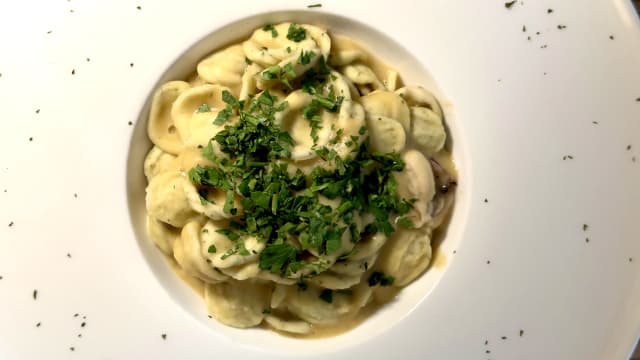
{"type": "Point", "coordinates": [296, 178]}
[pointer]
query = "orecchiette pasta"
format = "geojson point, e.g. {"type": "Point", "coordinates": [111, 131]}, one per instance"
{"type": "Point", "coordinates": [225, 67]}
{"type": "Point", "coordinates": [162, 130]}
{"type": "Point", "coordinates": [295, 179]}
{"type": "Point", "coordinates": [407, 255]}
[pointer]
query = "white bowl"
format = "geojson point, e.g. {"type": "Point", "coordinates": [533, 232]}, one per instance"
{"type": "Point", "coordinates": [522, 269]}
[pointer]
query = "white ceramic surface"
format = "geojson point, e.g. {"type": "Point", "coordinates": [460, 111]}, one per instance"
{"type": "Point", "coordinates": [523, 284]}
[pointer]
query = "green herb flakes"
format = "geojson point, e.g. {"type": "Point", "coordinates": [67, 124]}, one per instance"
{"type": "Point", "coordinates": [306, 56]}
{"type": "Point", "coordinates": [296, 33]}
{"type": "Point", "coordinates": [270, 27]}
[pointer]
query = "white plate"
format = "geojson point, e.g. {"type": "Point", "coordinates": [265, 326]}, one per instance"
{"type": "Point", "coordinates": [524, 283]}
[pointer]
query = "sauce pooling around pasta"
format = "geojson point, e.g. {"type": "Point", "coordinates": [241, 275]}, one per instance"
{"type": "Point", "coordinates": [295, 182]}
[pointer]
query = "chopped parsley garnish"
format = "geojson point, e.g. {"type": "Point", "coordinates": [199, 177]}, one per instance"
{"type": "Point", "coordinates": [296, 33]}
{"type": "Point", "coordinates": [379, 278]}
{"type": "Point", "coordinates": [283, 74]}
{"type": "Point", "coordinates": [314, 5]}
{"type": "Point", "coordinates": [509, 4]}
{"type": "Point", "coordinates": [247, 61]}
{"type": "Point", "coordinates": [203, 108]}
{"type": "Point", "coordinates": [283, 208]}
{"type": "Point", "coordinates": [405, 222]}
{"type": "Point", "coordinates": [270, 27]}
{"type": "Point", "coordinates": [306, 56]}
{"type": "Point", "coordinates": [278, 257]}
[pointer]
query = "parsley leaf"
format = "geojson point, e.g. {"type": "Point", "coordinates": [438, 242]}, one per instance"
{"type": "Point", "coordinates": [223, 116]}
{"type": "Point", "coordinates": [283, 74]}
{"type": "Point", "coordinates": [270, 27]}
{"type": "Point", "coordinates": [405, 222]}
{"type": "Point", "coordinates": [276, 257]}
{"type": "Point", "coordinates": [296, 33]}
{"type": "Point", "coordinates": [305, 57]}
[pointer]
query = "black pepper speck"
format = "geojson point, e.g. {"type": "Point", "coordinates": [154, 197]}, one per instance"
{"type": "Point", "coordinates": [638, 99]}
{"type": "Point", "coordinates": [11, 224]}
{"type": "Point", "coordinates": [130, 64]}
{"type": "Point", "coordinates": [49, 32]}
{"type": "Point", "coordinates": [585, 227]}
{"type": "Point", "coordinates": [130, 123]}
{"type": "Point", "coordinates": [37, 111]}
{"type": "Point", "coordinates": [486, 200]}
{"type": "Point", "coordinates": [35, 294]}
{"type": "Point", "coordinates": [488, 262]}
{"type": "Point", "coordinates": [630, 259]}
{"type": "Point", "coordinates": [31, 139]}
{"type": "Point", "coordinates": [69, 255]}
{"type": "Point", "coordinates": [75, 315]}
{"type": "Point", "coordinates": [164, 336]}
{"type": "Point", "coordinates": [586, 240]}
{"type": "Point", "coordinates": [72, 348]}
{"type": "Point", "coordinates": [521, 332]}
{"type": "Point", "coordinates": [73, 72]}
{"type": "Point", "coordinates": [562, 27]}
{"type": "Point", "coordinates": [549, 11]}
{"type": "Point", "coordinates": [503, 338]}
{"type": "Point", "coordinates": [83, 324]}
{"type": "Point", "coordinates": [139, 7]}
{"type": "Point", "coordinates": [38, 324]}
{"type": "Point", "coordinates": [611, 37]}
{"type": "Point", "coordinates": [628, 147]}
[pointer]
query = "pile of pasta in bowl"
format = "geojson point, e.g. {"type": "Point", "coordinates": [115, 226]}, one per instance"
{"type": "Point", "coordinates": [294, 178]}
